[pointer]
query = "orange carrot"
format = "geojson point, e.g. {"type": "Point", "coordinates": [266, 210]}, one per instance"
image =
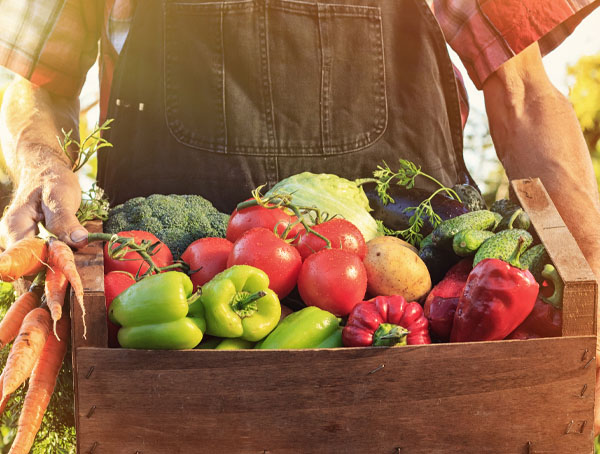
{"type": "Point", "coordinates": [60, 257]}
{"type": "Point", "coordinates": [4, 401]}
{"type": "Point", "coordinates": [56, 289]}
{"type": "Point", "coordinates": [23, 258]}
{"type": "Point", "coordinates": [10, 324]}
{"type": "Point", "coordinates": [41, 386]}
{"type": "Point", "coordinates": [26, 349]}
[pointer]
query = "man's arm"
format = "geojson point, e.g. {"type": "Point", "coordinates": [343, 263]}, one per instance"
{"type": "Point", "coordinates": [45, 187]}
{"type": "Point", "coordinates": [536, 134]}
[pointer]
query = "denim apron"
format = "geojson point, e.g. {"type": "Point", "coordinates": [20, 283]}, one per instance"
{"type": "Point", "coordinates": [218, 97]}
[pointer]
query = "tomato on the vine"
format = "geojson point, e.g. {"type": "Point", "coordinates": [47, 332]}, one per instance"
{"type": "Point", "coordinates": [208, 256]}
{"type": "Point", "coordinates": [115, 283]}
{"type": "Point", "coordinates": [333, 280]}
{"type": "Point", "coordinates": [261, 248]}
{"type": "Point", "coordinates": [342, 234]}
{"type": "Point", "coordinates": [260, 216]}
{"type": "Point", "coordinates": [132, 262]}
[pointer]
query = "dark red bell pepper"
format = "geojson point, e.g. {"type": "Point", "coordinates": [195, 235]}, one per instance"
{"type": "Point", "coordinates": [545, 319]}
{"type": "Point", "coordinates": [497, 298]}
{"type": "Point", "coordinates": [441, 302]}
{"type": "Point", "coordinates": [386, 321]}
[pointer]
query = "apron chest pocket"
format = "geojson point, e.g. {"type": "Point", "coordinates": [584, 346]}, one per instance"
{"type": "Point", "coordinates": [274, 77]}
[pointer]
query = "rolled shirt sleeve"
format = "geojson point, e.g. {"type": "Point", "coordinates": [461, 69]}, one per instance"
{"type": "Point", "coordinates": [51, 42]}
{"type": "Point", "coordinates": [486, 33]}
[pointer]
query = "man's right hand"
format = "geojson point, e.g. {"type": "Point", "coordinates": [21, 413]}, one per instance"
{"type": "Point", "coordinates": [49, 193]}
{"type": "Point", "coordinates": [46, 189]}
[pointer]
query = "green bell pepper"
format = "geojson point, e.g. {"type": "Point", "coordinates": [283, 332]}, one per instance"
{"type": "Point", "coordinates": [239, 303]}
{"type": "Point", "coordinates": [156, 313]}
{"type": "Point", "coordinates": [310, 327]}
{"type": "Point", "coordinates": [234, 344]}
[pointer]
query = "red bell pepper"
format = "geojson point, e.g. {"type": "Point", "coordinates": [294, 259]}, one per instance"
{"type": "Point", "coordinates": [545, 319]}
{"type": "Point", "coordinates": [386, 321]}
{"type": "Point", "coordinates": [497, 298]}
{"type": "Point", "coordinates": [441, 302]}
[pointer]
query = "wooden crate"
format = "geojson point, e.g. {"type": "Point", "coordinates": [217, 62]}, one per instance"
{"type": "Point", "coordinates": [533, 396]}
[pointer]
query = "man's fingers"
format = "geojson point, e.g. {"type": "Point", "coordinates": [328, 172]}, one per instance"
{"type": "Point", "coordinates": [67, 228]}
{"type": "Point", "coordinates": [60, 202]}
{"type": "Point", "coordinates": [18, 222]}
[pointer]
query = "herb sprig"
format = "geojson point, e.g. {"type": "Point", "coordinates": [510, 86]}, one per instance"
{"type": "Point", "coordinates": [87, 147]}
{"type": "Point", "coordinates": [405, 176]}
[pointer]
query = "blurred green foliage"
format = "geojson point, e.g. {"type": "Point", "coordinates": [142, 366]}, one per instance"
{"type": "Point", "coordinates": [585, 97]}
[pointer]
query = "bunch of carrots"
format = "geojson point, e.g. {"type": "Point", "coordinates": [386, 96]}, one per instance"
{"type": "Point", "coordinates": [36, 353]}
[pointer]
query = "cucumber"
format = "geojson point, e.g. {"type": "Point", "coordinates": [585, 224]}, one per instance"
{"type": "Point", "coordinates": [513, 216]}
{"type": "Point", "coordinates": [475, 220]}
{"type": "Point", "coordinates": [470, 197]}
{"type": "Point", "coordinates": [425, 242]}
{"type": "Point", "coordinates": [466, 242]}
{"type": "Point", "coordinates": [534, 259]}
{"type": "Point", "coordinates": [505, 245]}
{"type": "Point", "coordinates": [504, 207]}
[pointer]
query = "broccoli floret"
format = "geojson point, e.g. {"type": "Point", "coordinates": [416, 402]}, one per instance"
{"type": "Point", "coordinates": [177, 220]}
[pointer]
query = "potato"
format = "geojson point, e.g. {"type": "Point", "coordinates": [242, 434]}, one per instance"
{"type": "Point", "coordinates": [394, 268]}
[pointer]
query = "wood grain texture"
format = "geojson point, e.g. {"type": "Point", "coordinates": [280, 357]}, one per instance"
{"type": "Point", "coordinates": [581, 290]}
{"type": "Point", "coordinates": [488, 397]}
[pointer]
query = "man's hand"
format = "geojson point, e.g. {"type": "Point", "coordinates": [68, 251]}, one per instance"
{"type": "Point", "coordinates": [51, 195]}
{"type": "Point", "coordinates": [46, 189]}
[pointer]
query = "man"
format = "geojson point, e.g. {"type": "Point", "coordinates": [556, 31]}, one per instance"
{"type": "Point", "coordinates": [216, 98]}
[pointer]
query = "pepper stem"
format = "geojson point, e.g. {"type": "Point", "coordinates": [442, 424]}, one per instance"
{"type": "Point", "coordinates": [390, 335]}
{"type": "Point", "coordinates": [244, 303]}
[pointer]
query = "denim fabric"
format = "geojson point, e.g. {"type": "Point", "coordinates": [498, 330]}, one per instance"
{"type": "Point", "coordinates": [218, 97]}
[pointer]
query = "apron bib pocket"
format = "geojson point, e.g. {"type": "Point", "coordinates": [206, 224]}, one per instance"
{"type": "Point", "coordinates": [274, 77]}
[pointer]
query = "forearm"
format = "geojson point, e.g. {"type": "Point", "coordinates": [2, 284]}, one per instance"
{"type": "Point", "coordinates": [46, 189]}
{"type": "Point", "coordinates": [31, 120]}
{"type": "Point", "coordinates": [536, 134]}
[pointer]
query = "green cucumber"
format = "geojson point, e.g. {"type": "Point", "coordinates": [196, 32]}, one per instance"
{"type": "Point", "coordinates": [475, 220]}
{"type": "Point", "coordinates": [466, 242]}
{"type": "Point", "coordinates": [505, 245]}
{"type": "Point", "coordinates": [505, 207]}
{"type": "Point", "coordinates": [513, 216]}
{"type": "Point", "coordinates": [470, 197]}
{"type": "Point", "coordinates": [534, 259]}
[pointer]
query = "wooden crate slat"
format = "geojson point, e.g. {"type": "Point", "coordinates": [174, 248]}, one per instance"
{"type": "Point", "coordinates": [581, 290]}
{"type": "Point", "coordinates": [491, 397]}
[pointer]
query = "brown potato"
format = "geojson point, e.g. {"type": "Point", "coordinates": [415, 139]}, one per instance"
{"type": "Point", "coordinates": [394, 268]}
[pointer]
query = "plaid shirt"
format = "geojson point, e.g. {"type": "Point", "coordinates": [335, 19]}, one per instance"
{"type": "Point", "coordinates": [54, 42]}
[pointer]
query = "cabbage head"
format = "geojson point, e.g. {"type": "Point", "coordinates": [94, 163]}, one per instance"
{"type": "Point", "coordinates": [333, 195]}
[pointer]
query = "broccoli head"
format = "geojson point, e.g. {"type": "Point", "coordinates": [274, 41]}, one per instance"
{"type": "Point", "coordinates": [176, 220]}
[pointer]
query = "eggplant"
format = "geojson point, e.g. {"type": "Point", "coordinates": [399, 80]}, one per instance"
{"type": "Point", "coordinates": [393, 215]}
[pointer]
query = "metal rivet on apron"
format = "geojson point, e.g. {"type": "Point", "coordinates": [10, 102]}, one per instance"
{"type": "Point", "coordinates": [118, 102]}
{"type": "Point", "coordinates": [141, 106]}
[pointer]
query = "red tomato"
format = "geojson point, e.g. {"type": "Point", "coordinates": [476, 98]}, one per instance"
{"type": "Point", "coordinates": [208, 256]}
{"type": "Point", "coordinates": [333, 280]}
{"type": "Point", "coordinates": [162, 256]}
{"type": "Point", "coordinates": [342, 234]}
{"type": "Point", "coordinates": [259, 216]}
{"type": "Point", "coordinates": [261, 248]}
{"type": "Point", "coordinates": [115, 282]}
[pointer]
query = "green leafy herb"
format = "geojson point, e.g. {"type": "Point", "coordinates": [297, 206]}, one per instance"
{"type": "Point", "coordinates": [93, 205]}
{"type": "Point", "coordinates": [405, 176]}
{"type": "Point", "coordinates": [86, 148]}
